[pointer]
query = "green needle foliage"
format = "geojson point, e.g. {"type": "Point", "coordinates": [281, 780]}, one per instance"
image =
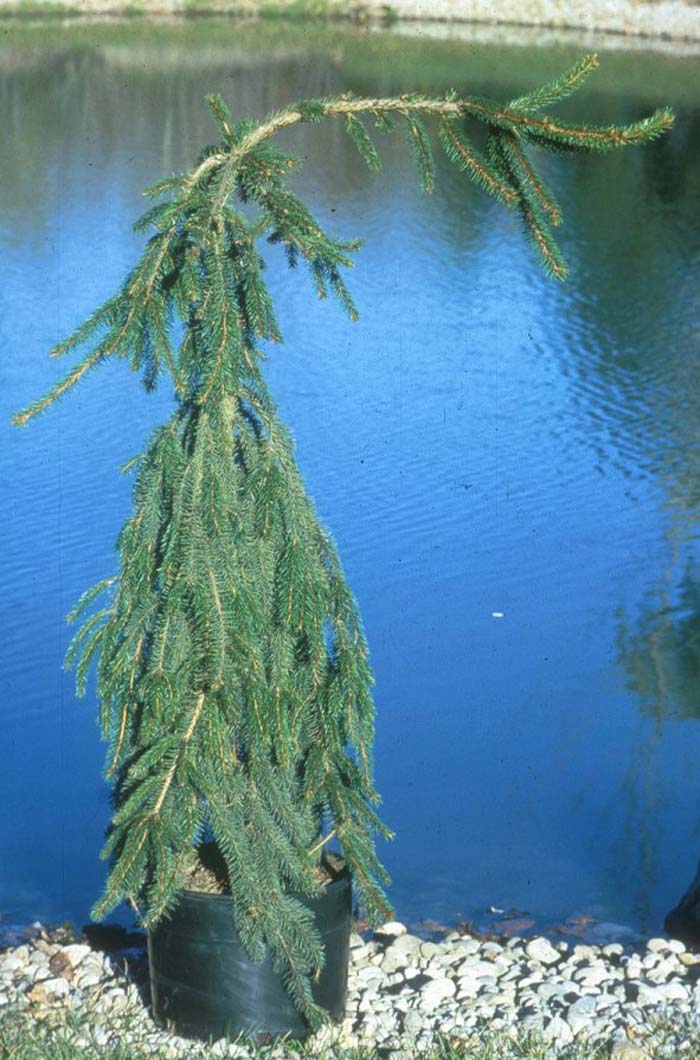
{"type": "Point", "coordinates": [233, 671]}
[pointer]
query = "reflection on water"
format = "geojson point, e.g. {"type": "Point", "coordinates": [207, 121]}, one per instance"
{"type": "Point", "coordinates": [661, 652]}
{"type": "Point", "coordinates": [482, 441]}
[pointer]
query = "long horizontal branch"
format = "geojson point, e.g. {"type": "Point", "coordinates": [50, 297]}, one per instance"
{"type": "Point", "coordinates": [517, 119]}
{"type": "Point", "coordinates": [486, 111]}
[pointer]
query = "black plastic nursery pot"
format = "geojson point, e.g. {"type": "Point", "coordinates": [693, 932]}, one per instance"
{"type": "Point", "coordinates": [204, 984]}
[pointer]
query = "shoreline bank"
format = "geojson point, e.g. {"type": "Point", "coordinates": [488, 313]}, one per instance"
{"type": "Point", "coordinates": [404, 993]}
{"type": "Point", "coordinates": [644, 20]}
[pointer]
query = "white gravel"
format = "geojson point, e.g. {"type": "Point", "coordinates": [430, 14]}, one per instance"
{"type": "Point", "coordinates": [404, 990]}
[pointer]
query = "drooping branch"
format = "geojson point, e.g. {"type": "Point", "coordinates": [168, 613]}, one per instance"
{"type": "Point", "coordinates": [138, 319]}
{"type": "Point", "coordinates": [233, 675]}
{"type": "Point", "coordinates": [515, 117]}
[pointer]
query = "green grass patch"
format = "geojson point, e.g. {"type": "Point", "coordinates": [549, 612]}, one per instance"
{"type": "Point", "coordinates": [36, 8]}
{"type": "Point", "coordinates": [81, 1036]}
{"type": "Point", "coordinates": [86, 1033]}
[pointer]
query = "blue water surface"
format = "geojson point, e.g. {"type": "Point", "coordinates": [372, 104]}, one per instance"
{"type": "Point", "coordinates": [508, 465]}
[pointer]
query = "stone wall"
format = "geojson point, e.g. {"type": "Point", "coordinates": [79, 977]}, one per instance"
{"type": "Point", "coordinates": [670, 18]}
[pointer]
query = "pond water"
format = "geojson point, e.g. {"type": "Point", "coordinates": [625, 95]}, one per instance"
{"type": "Point", "coordinates": [485, 442]}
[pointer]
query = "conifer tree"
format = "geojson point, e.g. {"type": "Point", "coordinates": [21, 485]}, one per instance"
{"type": "Point", "coordinates": [232, 667]}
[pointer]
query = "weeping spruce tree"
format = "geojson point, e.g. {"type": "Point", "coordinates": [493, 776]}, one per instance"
{"type": "Point", "coordinates": [233, 672]}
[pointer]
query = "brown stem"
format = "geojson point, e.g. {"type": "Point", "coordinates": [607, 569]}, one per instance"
{"type": "Point", "coordinates": [318, 846]}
